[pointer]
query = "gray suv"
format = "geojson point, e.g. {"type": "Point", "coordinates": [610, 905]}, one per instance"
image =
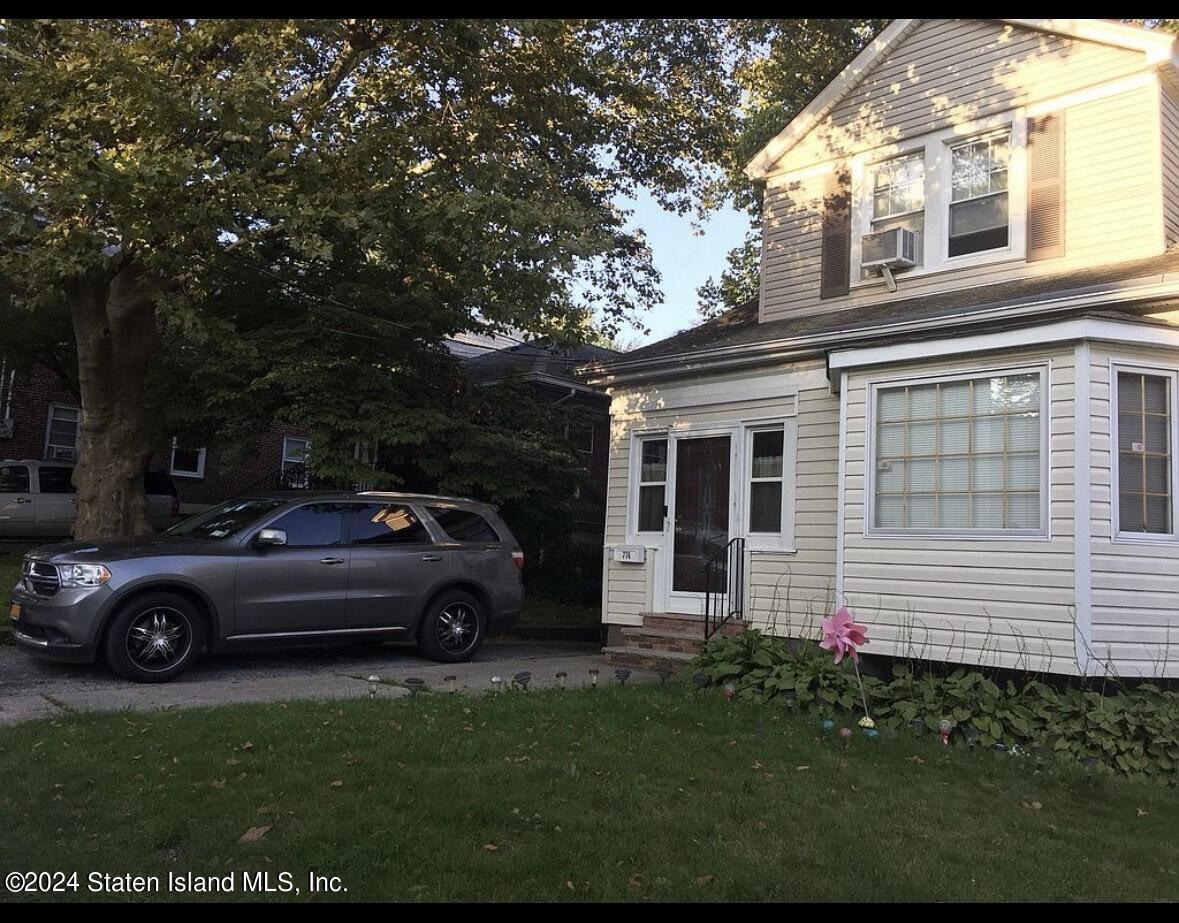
{"type": "Point", "coordinates": [275, 569]}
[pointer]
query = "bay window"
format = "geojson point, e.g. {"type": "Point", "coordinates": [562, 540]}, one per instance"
{"type": "Point", "coordinates": [1145, 456]}
{"type": "Point", "coordinates": [961, 454]}
{"type": "Point", "coordinates": [978, 197]}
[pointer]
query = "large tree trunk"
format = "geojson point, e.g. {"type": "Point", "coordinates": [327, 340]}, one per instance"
{"type": "Point", "coordinates": [114, 325]}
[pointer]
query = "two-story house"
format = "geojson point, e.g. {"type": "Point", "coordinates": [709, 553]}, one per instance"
{"type": "Point", "coordinates": [953, 406]}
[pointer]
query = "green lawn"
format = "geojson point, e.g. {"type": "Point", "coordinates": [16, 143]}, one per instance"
{"type": "Point", "coordinates": [621, 794]}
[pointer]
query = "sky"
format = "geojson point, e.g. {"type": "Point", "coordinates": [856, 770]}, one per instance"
{"type": "Point", "coordinates": [685, 261]}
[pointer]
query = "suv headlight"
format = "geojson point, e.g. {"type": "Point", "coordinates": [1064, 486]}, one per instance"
{"type": "Point", "coordinates": [82, 575]}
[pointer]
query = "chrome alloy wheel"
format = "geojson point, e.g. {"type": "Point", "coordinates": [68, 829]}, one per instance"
{"type": "Point", "coordinates": [158, 639]}
{"type": "Point", "coordinates": [457, 628]}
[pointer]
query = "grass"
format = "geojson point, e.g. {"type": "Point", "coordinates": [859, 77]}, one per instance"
{"type": "Point", "coordinates": [539, 610]}
{"type": "Point", "coordinates": [642, 793]}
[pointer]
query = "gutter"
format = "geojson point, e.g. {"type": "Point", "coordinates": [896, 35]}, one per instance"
{"type": "Point", "coordinates": [743, 355]}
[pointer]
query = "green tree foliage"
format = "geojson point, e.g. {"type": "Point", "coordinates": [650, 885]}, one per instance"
{"type": "Point", "coordinates": [379, 184]}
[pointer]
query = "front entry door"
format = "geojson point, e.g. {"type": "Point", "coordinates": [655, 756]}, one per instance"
{"type": "Point", "coordinates": [700, 516]}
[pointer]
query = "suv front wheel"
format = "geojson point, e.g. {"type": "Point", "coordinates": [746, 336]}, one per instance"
{"type": "Point", "coordinates": [452, 628]}
{"type": "Point", "coordinates": [155, 638]}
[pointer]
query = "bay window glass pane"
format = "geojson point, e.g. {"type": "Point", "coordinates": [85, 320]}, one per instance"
{"type": "Point", "coordinates": [651, 509]}
{"type": "Point", "coordinates": [765, 506]}
{"type": "Point", "coordinates": [767, 454]}
{"type": "Point", "coordinates": [1144, 439]}
{"type": "Point", "coordinates": [654, 460]}
{"type": "Point", "coordinates": [959, 455]}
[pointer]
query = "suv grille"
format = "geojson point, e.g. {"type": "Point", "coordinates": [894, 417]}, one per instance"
{"type": "Point", "coordinates": [41, 578]}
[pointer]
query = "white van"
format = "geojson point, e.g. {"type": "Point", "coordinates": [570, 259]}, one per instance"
{"type": "Point", "coordinates": [37, 500]}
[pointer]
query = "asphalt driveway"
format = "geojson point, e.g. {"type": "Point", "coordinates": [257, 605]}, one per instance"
{"type": "Point", "coordinates": [30, 688]}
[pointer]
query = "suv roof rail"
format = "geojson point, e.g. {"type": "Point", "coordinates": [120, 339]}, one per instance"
{"type": "Point", "coordinates": [408, 494]}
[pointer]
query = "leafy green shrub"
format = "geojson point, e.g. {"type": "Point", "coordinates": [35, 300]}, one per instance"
{"type": "Point", "coordinates": [1131, 730]}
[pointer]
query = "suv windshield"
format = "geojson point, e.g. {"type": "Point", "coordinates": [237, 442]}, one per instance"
{"type": "Point", "coordinates": [226, 519]}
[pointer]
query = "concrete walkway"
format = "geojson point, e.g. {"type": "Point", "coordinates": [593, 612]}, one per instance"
{"type": "Point", "coordinates": [31, 688]}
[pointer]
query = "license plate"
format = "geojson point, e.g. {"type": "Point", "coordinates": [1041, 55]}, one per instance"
{"type": "Point", "coordinates": [14, 611]}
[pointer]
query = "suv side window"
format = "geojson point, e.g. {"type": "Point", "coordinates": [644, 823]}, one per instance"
{"type": "Point", "coordinates": [463, 525]}
{"type": "Point", "coordinates": [14, 479]}
{"type": "Point", "coordinates": [55, 480]}
{"type": "Point", "coordinates": [387, 524]}
{"type": "Point", "coordinates": [313, 525]}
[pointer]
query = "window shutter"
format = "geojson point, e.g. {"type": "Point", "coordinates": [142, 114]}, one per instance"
{"type": "Point", "coordinates": [1046, 187]}
{"type": "Point", "coordinates": [836, 252]}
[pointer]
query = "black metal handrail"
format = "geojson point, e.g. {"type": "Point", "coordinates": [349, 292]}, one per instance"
{"type": "Point", "coordinates": [724, 586]}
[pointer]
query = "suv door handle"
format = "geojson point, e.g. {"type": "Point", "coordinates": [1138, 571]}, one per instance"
{"type": "Point", "coordinates": [431, 557]}
{"type": "Point", "coordinates": [331, 560]}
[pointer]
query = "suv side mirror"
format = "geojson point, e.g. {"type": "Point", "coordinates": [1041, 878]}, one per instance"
{"type": "Point", "coordinates": [270, 538]}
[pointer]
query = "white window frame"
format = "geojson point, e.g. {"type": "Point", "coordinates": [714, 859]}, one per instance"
{"type": "Point", "coordinates": [49, 430]}
{"type": "Point", "coordinates": [911, 154]}
{"type": "Point", "coordinates": [1115, 525]}
{"type": "Point", "coordinates": [782, 540]}
{"type": "Point", "coordinates": [634, 534]}
{"type": "Point", "coordinates": [302, 460]}
{"type": "Point", "coordinates": [1042, 533]}
{"type": "Point", "coordinates": [184, 472]}
{"type": "Point", "coordinates": [938, 191]}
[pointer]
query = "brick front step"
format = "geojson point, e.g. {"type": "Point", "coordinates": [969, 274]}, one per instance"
{"type": "Point", "coordinates": [663, 639]}
{"type": "Point", "coordinates": [688, 624]}
{"type": "Point", "coordinates": [647, 660]}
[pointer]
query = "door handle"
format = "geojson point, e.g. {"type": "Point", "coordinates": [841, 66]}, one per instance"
{"type": "Point", "coordinates": [331, 560]}
{"type": "Point", "coordinates": [431, 557]}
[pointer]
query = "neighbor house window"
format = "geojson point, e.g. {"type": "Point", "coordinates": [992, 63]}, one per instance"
{"type": "Point", "coordinates": [61, 433]}
{"type": "Point", "coordinates": [1144, 441]}
{"type": "Point", "coordinates": [294, 461]}
{"type": "Point", "coordinates": [766, 468]}
{"type": "Point", "coordinates": [978, 197]}
{"type": "Point", "coordinates": [959, 455]}
{"type": "Point", "coordinates": [652, 484]}
{"type": "Point", "coordinates": [187, 463]}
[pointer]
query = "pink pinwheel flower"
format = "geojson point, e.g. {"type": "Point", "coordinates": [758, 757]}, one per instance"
{"type": "Point", "coordinates": [842, 635]}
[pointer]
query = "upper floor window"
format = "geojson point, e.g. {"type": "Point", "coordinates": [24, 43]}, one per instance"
{"type": "Point", "coordinates": [61, 433]}
{"type": "Point", "coordinates": [294, 462]}
{"type": "Point", "coordinates": [978, 200]}
{"type": "Point", "coordinates": [186, 463]}
{"type": "Point", "coordinates": [898, 187]}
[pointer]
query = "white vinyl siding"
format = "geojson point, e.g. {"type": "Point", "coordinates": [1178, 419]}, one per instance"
{"type": "Point", "coordinates": [1000, 600]}
{"type": "Point", "coordinates": [785, 586]}
{"type": "Point", "coordinates": [1135, 582]}
{"type": "Point", "coordinates": [1113, 194]}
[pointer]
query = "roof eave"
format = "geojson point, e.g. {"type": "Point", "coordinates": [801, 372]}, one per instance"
{"type": "Point", "coordinates": [1158, 291]}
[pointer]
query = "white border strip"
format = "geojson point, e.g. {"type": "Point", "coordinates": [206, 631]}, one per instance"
{"type": "Point", "coordinates": [1083, 508]}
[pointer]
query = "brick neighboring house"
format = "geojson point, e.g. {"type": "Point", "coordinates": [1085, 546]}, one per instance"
{"type": "Point", "coordinates": [40, 416]}
{"type": "Point", "coordinates": [551, 374]}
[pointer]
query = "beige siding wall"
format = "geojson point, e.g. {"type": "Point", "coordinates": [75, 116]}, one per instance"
{"type": "Point", "coordinates": [1135, 618]}
{"type": "Point", "coordinates": [783, 588]}
{"type": "Point", "coordinates": [1113, 212]}
{"type": "Point", "coordinates": [1000, 602]}
{"type": "Point", "coordinates": [1169, 105]}
{"type": "Point", "coordinates": [948, 71]}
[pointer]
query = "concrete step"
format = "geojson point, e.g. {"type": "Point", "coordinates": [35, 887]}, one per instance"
{"type": "Point", "coordinates": [647, 660]}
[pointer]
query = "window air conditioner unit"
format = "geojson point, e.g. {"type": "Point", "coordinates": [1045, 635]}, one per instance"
{"type": "Point", "coordinates": [6, 428]}
{"type": "Point", "coordinates": [895, 248]}
{"type": "Point", "coordinates": [62, 454]}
